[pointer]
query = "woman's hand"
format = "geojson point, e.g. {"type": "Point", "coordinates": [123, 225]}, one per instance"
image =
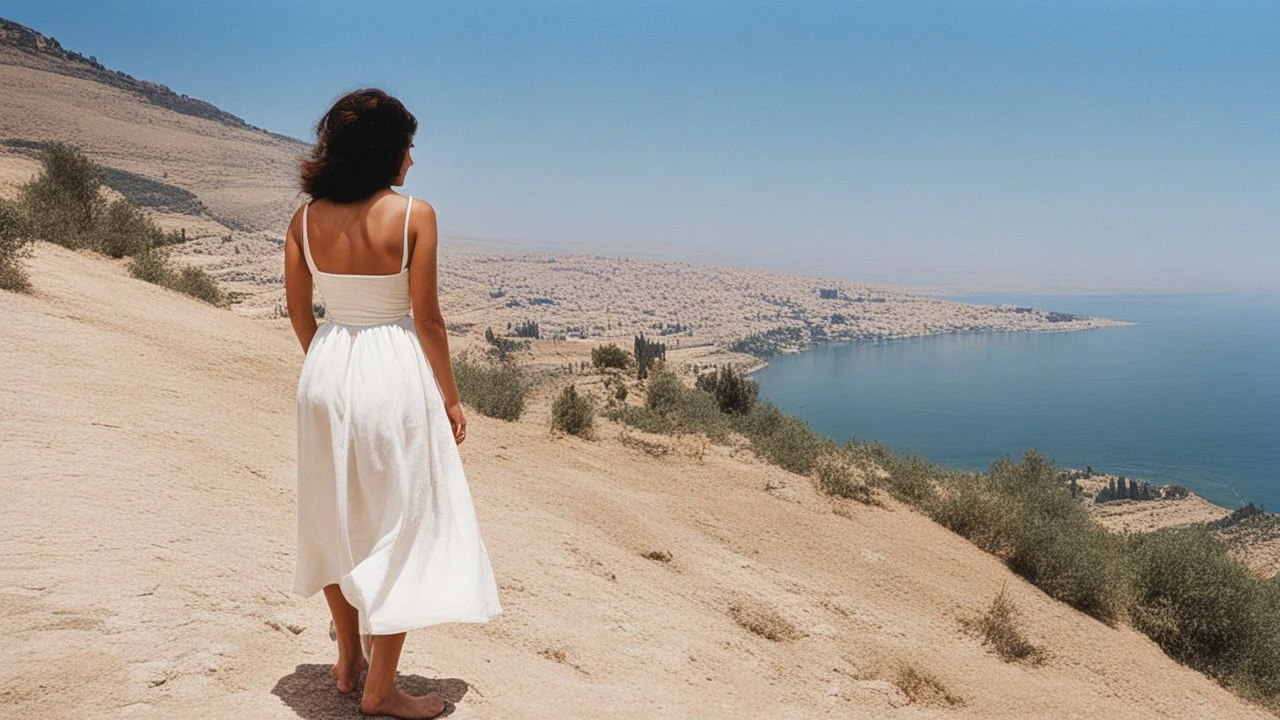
{"type": "Point", "coordinates": [458, 421]}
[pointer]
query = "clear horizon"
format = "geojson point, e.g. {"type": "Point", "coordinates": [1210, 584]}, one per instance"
{"type": "Point", "coordinates": [992, 148]}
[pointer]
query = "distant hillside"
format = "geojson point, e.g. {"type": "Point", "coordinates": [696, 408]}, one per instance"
{"type": "Point", "coordinates": [194, 165]}
{"type": "Point", "coordinates": [46, 53]}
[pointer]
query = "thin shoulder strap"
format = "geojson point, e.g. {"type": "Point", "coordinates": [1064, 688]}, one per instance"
{"type": "Point", "coordinates": [404, 261]}
{"type": "Point", "coordinates": [306, 246]}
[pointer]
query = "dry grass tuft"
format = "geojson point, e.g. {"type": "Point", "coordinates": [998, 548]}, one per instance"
{"type": "Point", "coordinates": [648, 447]}
{"type": "Point", "coordinates": [659, 555]}
{"type": "Point", "coordinates": [763, 620]}
{"type": "Point", "coordinates": [557, 654]}
{"type": "Point", "coordinates": [999, 627]}
{"type": "Point", "coordinates": [923, 688]}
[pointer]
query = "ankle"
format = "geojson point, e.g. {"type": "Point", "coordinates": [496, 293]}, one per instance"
{"type": "Point", "coordinates": [374, 696]}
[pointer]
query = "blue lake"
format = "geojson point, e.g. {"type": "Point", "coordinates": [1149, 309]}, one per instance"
{"type": "Point", "coordinates": [1188, 395]}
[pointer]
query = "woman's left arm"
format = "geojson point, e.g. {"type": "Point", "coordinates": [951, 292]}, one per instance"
{"type": "Point", "coordinates": [298, 284]}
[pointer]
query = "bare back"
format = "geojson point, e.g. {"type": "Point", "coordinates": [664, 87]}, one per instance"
{"type": "Point", "coordinates": [361, 238]}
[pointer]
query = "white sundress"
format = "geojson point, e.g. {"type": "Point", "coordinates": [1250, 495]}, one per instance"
{"type": "Point", "coordinates": [384, 509]}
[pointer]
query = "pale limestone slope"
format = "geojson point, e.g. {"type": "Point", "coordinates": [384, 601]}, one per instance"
{"type": "Point", "coordinates": [243, 175]}
{"type": "Point", "coordinates": [148, 536]}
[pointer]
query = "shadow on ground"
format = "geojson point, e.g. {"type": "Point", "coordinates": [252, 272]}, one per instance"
{"type": "Point", "coordinates": [309, 691]}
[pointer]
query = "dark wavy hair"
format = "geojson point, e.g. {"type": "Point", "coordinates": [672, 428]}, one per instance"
{"type": "Point", "coordinates": [360, 146]}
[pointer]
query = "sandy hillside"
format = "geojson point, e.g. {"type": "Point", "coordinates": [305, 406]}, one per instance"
{"type": "Point", "coordinates": [243, 175]}
{"type": "Point", "coordinates": [149, 466]}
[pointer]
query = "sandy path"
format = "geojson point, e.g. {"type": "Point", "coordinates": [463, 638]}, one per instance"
{"type": "Point", "coordinates": [148, 530]}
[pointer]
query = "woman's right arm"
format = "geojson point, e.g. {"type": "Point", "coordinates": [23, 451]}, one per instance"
{"type": "Point", "coordinates": [427, 318]}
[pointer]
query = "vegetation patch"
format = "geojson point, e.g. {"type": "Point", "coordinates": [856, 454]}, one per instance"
{"type": "Point", "coordinates": [782, 439]}
{"type": "Point", "coordinates": [837, 475]}
{"type": "Point", "coordinates": [924, 688]}
{"type": "Point", "coordinates": [648, 447]}
{"type": "Point", "coordinates": [501, 347]}
{"type": "Point", "coordinates": [735, 393]}
{"type": "Point", "coordinates": [1178, 586]}
{"type": "Point", "coordinates": [573, 412]}
{"type": "Point", "coordinates": [1205, 610]}
{"type": "Point", "coordinates": [647, 352]}
{"type": "Point", "coordinates": [153, 265]}
{"type": "Point", "coordinates": [999, 626]}
{"type": "Point", "coordinates": [672, 408]}
{"type": "Point", "coordinates": [15, 246]}
{"type": "Point", "coordinates": [63, 204]}
{"type": "Point", "coordinates": [496, 389]}
{"type": "Point", "coordinates": [763, 621]}
{"type": "Point", "coordinates": [611, 356]}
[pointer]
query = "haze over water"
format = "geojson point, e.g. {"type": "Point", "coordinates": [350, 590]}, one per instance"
{"type": "Point", "coordinates": [1188, 395]}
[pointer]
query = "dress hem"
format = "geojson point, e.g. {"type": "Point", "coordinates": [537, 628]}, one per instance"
{"type": "Point", "coordinates": [451, 615]}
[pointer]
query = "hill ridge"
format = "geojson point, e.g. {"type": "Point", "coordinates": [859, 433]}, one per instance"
{"type": "Point", "coordinates": [39, 46]}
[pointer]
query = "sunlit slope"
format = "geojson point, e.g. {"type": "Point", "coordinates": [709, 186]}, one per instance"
{"type": "Point", "coordinates": [148, 534]}
{"type": "Point", "coordinates": [245, 176]}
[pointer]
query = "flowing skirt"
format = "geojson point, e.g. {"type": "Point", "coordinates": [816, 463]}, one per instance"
{"type": "Point", "coordinates": [384, 509]}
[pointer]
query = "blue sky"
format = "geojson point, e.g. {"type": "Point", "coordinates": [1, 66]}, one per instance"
{"type": "Point", "coordinates": [1018, 146]}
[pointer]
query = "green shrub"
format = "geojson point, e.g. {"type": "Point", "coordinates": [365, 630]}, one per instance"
{"type": "Point", "coordinates": [63, 205]}
{"type": "Point", "coordinates": [610, 356]}
{"type": "Point", "coordinates": [196, 282]}
{"type": "Point", "coordinates": [670, 407]}
{"type": "Point", "coordinates": [781, 439]}
{"type": "Point", "coordinates": [62, 202]}
{"type": "Point", "coordinates": [502, 347]}
{"type": "Point", "coordinates": [494, 389]}
{"type": "Point", "coordinates": [647, 352]}
{"type": "Point", "coordinates": [685, 409]}
{"type": "Point", "coordinates": [967, 506]}
{"type": "Point", "coordinates": [642, 418]}
{"type": "Point", "coordinates": [837, 475]}
{"type": "Point", "coordinates": [573, 412]}
{"type": "Point", "coordinates": [528, 329]}
{"type": "Point", "coordinates": [665, 390]}
{"type": "Point", "coordinates": [1020, 512]}
{"type": "Point", "coordinates": [124, 230]}
{"type": "Point", "coordinates": [15, 246]}
{"type": "Point", "coordinates": [1204, 609]}
{"type": "Point", "coordinates": [735, 393]}
{"type": "Point", "coordinates": [910, 478]}
{"type": "Point", "coordinates": [154, 266]}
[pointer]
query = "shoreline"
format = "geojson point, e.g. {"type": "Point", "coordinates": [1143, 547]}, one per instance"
{"type": "Point", "coordinates": [1253, 537]}
{"type": "Point", "coordinates": [761, 362]}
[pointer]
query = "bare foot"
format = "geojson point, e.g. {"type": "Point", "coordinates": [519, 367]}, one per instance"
{"type": "Point", "coordinates": [348, 674]}
{"type": "Point", "coordinates": [407, 707]}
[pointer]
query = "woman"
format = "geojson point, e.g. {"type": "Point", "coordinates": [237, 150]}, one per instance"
{"type": "Point", "coordinates": [386, 525]}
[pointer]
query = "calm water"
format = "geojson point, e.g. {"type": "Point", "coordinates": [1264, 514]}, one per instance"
{"type": "Point", "coordinates": [1189, 395]}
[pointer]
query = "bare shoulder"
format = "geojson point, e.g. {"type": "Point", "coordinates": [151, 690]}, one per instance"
{"type": "Point", "coordinates": [295, 222]}
{"type": "Point", "coordinates": [423, 220]}
{"type": "Point", "coordinates": [423, 209]}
